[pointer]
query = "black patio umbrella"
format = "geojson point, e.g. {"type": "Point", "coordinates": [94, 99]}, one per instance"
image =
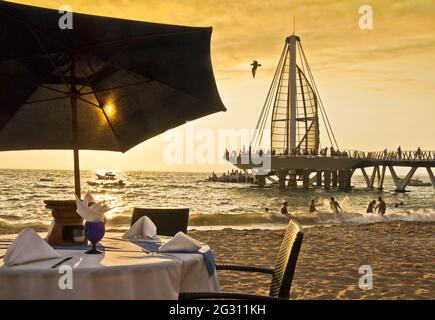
{"type": "Point", "coordinates": [106, 84]}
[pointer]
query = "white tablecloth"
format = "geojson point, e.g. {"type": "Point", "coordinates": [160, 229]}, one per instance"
{"type": "Point", "coordinates": [123, 271]}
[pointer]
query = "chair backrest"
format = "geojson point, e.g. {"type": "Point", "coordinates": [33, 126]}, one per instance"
{"type": "Point", "coordinates": [168, 221]}
{"type": "Point", "coordinates": [285, 264]}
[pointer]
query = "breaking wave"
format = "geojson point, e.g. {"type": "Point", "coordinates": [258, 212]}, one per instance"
{"type": "Point", "coordinates": [15, 227]}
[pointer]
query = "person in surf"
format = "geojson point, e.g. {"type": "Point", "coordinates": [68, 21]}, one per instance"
{"type": "Point", "coordinates": [381, 207]}
{"type": "Point", "coordinates": [371, 207]}
{"type": "Point", "coordinates": [284, 208]}
{"type": "Point", "coordinates": [313, 206]}
{"type": "Point", "coordinates": [335, 208]}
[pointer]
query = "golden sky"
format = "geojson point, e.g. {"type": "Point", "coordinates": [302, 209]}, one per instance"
{"type": "Point", "coordinates": [377, 85]}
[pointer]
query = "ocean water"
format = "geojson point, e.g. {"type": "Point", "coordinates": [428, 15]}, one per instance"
{"type": "Point", "coordinates": [212, 205]}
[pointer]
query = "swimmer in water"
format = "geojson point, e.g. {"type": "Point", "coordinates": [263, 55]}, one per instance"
{"type": "Point", "coordinates": [335, 208]}
{"type": "Point", "coordinates": [382, 206]}
{"type": "Point", "coordinates": [396, 205]}
{"type": "Point", "coordinates": [371, 207]}
{"type": "Point", "coordinates": [284, 209]}
{"type": "Point", "coordinates": [313, 206]}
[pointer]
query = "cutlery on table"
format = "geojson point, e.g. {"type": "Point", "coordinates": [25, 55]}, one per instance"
{"type": "Point", "coordinates": [60, 262]}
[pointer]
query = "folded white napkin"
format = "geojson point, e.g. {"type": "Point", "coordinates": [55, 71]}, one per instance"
{"type": "Point", "coordinates": [181, 242]}
{"type": "Point", "coordinates": [27, 247]}
{"type": "Point", "coordinates": [142, 228]}
{"type": "Point", "coordinates": [94, 213]}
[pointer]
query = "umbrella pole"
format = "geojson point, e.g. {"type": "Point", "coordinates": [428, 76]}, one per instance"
{"type": "Point", "coordinates": [75, 132]}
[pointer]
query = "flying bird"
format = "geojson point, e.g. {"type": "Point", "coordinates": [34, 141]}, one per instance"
{"type": "Point", "coordinates": [255, 65]}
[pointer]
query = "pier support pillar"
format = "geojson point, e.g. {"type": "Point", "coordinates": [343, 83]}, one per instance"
{"type": "Point", "coordinates": [366, 178]}
{"type": "Point", "coordinates": [401, 183]}
{"type": "Point", "coordinates": [344, 179]}
{"type": "Point", "coordinates": [375, 173]}
{"type": "Point", "coordinates": [261, 181]}
{"type": "Point", "coordinates": [381, 178]}
{"type": "Point", "coordinates": [282, 175]}
{"type": "Point", "coordinates": [292, 183]}
{"type": "Point", "coordinates": [334, 179]}
{"type": "Point", "coordinates": [431, 176]}
{"type": "Point", "coordinates": [319, 178]}
{"type": "Point", "coordinates": [306, 179]}
{"type": "Point", "coordinates": [327, 179]}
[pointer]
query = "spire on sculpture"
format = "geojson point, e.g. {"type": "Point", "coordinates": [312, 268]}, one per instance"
{"type": "Point", "coordinates": [293, 106]}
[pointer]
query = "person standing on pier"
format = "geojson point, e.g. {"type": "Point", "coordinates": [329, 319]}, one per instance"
{"type": "Point", "coordinates": [418, 153]}
{"type": "Point", "coordinates": [332, 151]}
{"type": "Point", "coordinates": [399, 153]}
{"type": "Point", "coordinates": [382, 206]}
{"type": "Point", "coordinates": [371, 207]}
{"type": "Point", "coordinates": [284, 209]}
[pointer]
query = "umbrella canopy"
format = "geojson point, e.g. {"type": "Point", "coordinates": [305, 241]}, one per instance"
{"type": "Point", "coordinates": [107, 84]}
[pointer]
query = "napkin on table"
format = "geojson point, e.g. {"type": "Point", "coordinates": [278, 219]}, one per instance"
{"type": "Point", "coordinates": [182, 243]}
{"type": "Point", "coordinates": [94, 213]}
{"type": "Point", "coordinates": [142, 228]}
{"type": "Point", "coordinates": [27, 247]}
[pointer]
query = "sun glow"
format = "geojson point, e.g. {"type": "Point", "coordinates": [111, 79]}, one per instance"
{"type": "Point", "coordinates": [109, 109]}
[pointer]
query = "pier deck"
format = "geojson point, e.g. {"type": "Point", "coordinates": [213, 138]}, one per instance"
{"type": "Point", "coordinates": [336, 170]}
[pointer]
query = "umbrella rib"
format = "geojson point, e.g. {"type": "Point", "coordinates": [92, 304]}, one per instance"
{"type": "Point", "coordinates": [151, 80]}
{"type": "Point", "coordinates": [106, 117]}
{"type": "Point", "coordinates": [106, 63]}
{"type": "Point", "coordinates": [53, 89]}
{"type": "Point", "coordinates": [6, 76]}
{"type": "Point", "coordinates": [113, 130]}
{"type": "Point", "coordinates": [49, 57]}
{"type": "Point", "coordinates": [114, 88]}
{"type": "Point", "coordinates": [44, 100]}
{"type": "Point", "coordinates": [34, 85]}
{"type": "Point", "coordinates": [42, 55]}
{"type": "Point", "coordinates": [164, 84]}
{"type": "Point", "coordinates": [90, 102]}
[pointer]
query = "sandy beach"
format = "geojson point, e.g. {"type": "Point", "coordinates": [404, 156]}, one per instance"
{"type": "Point", "coordinates": [400, 253]}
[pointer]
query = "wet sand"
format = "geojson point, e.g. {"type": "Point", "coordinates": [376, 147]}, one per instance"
{"type": "Point", "coordinates": [402, 255]}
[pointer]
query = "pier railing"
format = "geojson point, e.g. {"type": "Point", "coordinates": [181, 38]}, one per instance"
{"type": "Point", "coordinates": [397, 155]}
{"type": "Point", "coordinates": [402, 155]}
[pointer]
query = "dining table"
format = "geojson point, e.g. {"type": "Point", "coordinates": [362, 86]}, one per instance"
{"type": "Point", "coordinates": [126, 270]}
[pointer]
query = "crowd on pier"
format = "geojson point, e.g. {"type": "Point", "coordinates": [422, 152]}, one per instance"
{"type": "Point", "coordinates": [386, 154]}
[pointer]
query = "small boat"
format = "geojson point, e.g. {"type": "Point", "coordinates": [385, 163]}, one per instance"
{"type": "Point", "coordinates": [419, 183]}
{"type": "Point", "coordinates": [110, 184]}
{"type": "Point", "coordinates": [234, 178]}
{"type": "Point", "coordinates": [46, 179]}
{"type": "Point", "coordinates": [106, 176]}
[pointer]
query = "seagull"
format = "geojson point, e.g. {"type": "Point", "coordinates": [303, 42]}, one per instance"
{"type": "Point", "coordinates": [255, 65]}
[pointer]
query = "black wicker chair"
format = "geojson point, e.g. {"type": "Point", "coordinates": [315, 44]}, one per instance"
{"type": "Point", "coordinates": [168, 221]}
{"type": "Point", "coordinates": [282, 274]}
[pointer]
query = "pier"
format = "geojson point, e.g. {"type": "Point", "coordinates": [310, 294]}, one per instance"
{"type": "Point", "coordinates": [334, 171]}
{"type": "Point", "coordinates": [293, 110]}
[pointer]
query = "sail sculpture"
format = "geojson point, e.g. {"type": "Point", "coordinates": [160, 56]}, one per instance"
{"type": "Point", "coordinates": [295, 105]}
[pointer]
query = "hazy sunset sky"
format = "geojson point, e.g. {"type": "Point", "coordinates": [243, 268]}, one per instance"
{"type": "Point", "coordinates": [377, 85]}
